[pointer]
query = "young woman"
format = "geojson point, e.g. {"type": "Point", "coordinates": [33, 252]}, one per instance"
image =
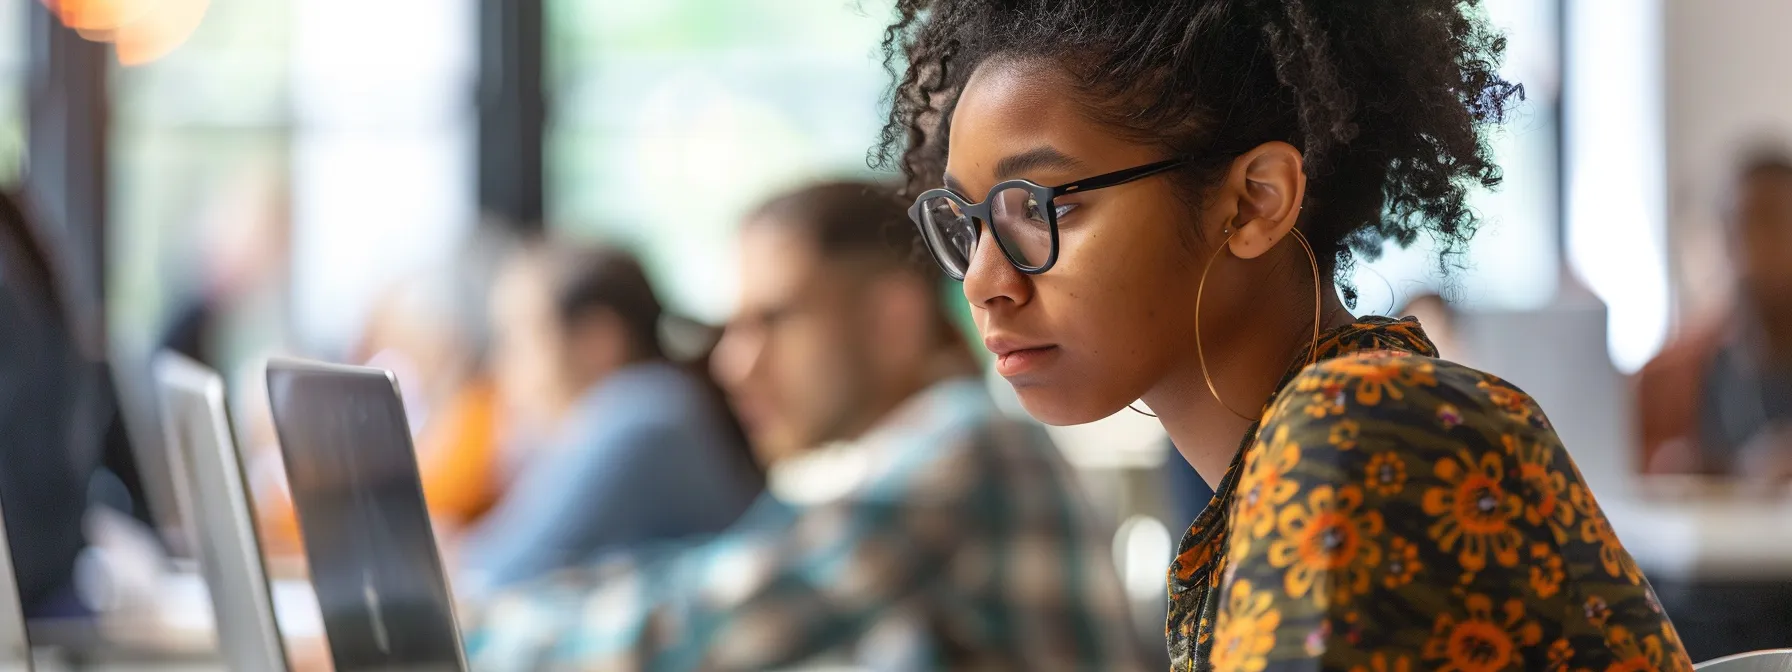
{"type": "Point", "coordinates": [1151, 200]}
{"type": "Point", "coordinates": [621, 435]}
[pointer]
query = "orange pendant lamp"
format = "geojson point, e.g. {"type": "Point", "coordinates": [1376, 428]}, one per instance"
{"type": "Point", "coordinates": [140, 31]}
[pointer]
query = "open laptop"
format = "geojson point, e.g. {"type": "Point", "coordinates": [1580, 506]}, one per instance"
{"type": "Point", "coordinates": [198, 434]}
{"type": "Point", "coordinates": [15, 647]}
{"type": "Point", "coordinates": [353, 473]}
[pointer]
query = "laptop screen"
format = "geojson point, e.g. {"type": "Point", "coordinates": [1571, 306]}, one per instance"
{"type": "Point", "coordinates": [373, 557]}
{"type": "Point", "coordinates": [15, 648]}
{"type": "Point", "coordinates": [223, 526]}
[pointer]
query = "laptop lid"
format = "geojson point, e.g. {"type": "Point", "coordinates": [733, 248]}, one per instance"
{"type": "Point", "coordinates": [373, 556]}
{"type": "Point", "coordinates": [15, 647]}
{"type": "Point", "coordinates": [197, 432]}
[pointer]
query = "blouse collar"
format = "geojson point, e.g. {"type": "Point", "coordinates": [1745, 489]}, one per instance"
{"type": "Point", "coordinates": [1364, 334]}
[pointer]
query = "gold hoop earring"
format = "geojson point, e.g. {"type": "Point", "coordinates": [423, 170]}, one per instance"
{"type": "Point", "coordinates": [1200, 289]}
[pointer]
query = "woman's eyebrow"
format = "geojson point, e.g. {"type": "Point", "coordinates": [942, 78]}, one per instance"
{"type": "Point", "coordinates": [1032, 159]}
{"type": "Point", "coordinates": [1014, 164]}
{"type": "Point", "coordinates": [954, 185]}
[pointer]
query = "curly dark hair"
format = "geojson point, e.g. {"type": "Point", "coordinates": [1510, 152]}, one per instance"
{"type": "Point", "coordinates": [1386, 99]}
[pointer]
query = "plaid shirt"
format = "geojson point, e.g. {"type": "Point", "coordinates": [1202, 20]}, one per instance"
{"type": "Point", "coordinates": [963, 544]}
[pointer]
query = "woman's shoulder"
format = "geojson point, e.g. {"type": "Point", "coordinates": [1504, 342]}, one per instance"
{"type": "Point", "coordinates": [1405, 400]}
{"type": "Point", "coordinates": [1465, 499]}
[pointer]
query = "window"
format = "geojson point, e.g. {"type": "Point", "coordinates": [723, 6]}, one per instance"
{"type": "Point", "coordinates": [670, 118]}
{"type": "Point", "coordinates": [1513, 262]}
{"type": "Point", "coordinates": [383, 153]}
{"type": "Point", "coordinates": [199, 153]}
{"type": "Point", "coordinates": [1617, 158]}
{"type": "Point", "coordinates": [13, 54]}
{"type": "Point", "coordinates": [290, 159]}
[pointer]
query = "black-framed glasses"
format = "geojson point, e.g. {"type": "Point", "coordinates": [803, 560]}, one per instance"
{"type": "Point", "coordinates": [1023, 219]}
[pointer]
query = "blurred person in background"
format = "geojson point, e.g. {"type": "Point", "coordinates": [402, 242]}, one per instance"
{"type": "Point", "coordinates": [432, 331]}
{"type": "Point", "coordinates": [1089, 168]}
{"type": "Point", "coordinates": [937, 535]}
{"type": "Point", "coordinates": [235, 306]}
{"type": "Point", "coordinates": [229, 310]}
{"type": "Point", "coordinates": [54, 402]}
{"type": "Point", "coordinates": [1718, 400]}
{"type": "Point", "coordinates": [453, 400]}
{"type": "Point", "coordinates": [1439, 317]}
{"type": "Point", "coordinates": [628, 448]}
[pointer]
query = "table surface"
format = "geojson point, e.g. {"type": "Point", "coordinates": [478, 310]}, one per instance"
{"type": "Point", "coordinates": [1675, 527]}
{"type": "Point", "coordinates": [1703, 528]}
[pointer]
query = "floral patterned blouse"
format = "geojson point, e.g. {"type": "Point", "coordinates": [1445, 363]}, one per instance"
{"type": "Point", "coordinates": [1395, 512]}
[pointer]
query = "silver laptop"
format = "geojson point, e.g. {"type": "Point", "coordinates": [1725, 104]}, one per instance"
{"type": "Point", "coordinates": [15, 647]}
{"type": "Point", "coordinates": [222, 526]}
{"type": "Point", "coordinates": [373, 558]}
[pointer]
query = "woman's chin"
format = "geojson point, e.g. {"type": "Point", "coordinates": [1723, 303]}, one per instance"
{"type": "Point", "coordinates": [1060, 407]}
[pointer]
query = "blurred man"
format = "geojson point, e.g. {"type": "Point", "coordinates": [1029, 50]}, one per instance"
{"type": "Point", "coordinates": [940, 536]}
{"type": "Point", "coordinates": [1720, 400]}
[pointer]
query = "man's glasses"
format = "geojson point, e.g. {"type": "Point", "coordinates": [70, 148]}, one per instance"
{"type": "Point", "coordinates": [1022, 216]}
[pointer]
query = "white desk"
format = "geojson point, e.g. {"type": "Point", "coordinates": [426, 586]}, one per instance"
{"type": "Point", "coordinates": [1705, 530]}
{"type": "Point", "coordinates": [179, 637]}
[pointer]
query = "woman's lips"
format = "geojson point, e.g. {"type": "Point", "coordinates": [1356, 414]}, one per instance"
{"type": "Point", "coordinates": [1013, 363]}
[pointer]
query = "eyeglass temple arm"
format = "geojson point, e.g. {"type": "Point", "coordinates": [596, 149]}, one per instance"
{"type": "Point", "coordinates": [1118, 177]}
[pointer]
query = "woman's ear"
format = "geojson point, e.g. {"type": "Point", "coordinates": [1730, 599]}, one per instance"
{"type": "Point", "coordinates": [1267, 184]}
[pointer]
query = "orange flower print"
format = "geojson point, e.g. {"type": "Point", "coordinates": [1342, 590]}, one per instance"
{"type": "Point", "coordinates": [1407, 330]}
{"type": "Point", "coordinates": [1345, 434]}
{"type": "Point", "coordinates": [1326, 400]}
{"type": "Point", "coordinates": [1481, 642]}
{"type": "Point", "coordinates": [1280, 405]}
{"type": "Point", "coordinates": [1403, 563]}
{"type": "Point", "coordinates": [1474, 511]}
{"type": "Point", "coordinates": [1595, 529]}
{"type": "Point", "coordinates": [1329, 536]}
{"type": "Point", "coordinates": [1547, 573]}
{"type": "Point", "coordinates": [1310, 381]}
{"type": "Point", "coordinates": [1384, 374]}
{"type": "Point", "coordinates": [1548, 501]}
{"type": "Point", "coordinates": [1647, 655]}
{"type": "Point", "coordinates": [1448, 416]}
{"type": "Point", "coordinates": [1597, 611]}
{"type": "Point", "coordinates": [1192, 560]}
{"type": "Point", "coordinates": [1386, 474]}
{"type": "Point", "coordinates": [1559, 655]}
{"type": "Point", "coordinates": [1381, 662]}
{"type": "Point", "coordinates": [1511, 401]}
{"type": "Point", "coordinates": [1314, 642]}
{"type": "Point", "coordinates": [1246, 631]}
{"type": "Point", "coordinates": [1264, 487]}
{"type": "Point", "coordinates": [1238, 547]}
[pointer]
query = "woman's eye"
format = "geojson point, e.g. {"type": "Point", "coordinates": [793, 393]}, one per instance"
{"type": "Point", "coordinates": [1037, 213]}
